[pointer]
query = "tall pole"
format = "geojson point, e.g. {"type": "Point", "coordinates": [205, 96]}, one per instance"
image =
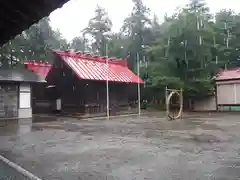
{"type": "Point", "coordinates": [139, 93]}
{"type": "Point", "coordinates": [107, 85]}
{"type": "Point", "coordinates": [146, 65]}
{"type": "Point", "coordinates": [166, 103]}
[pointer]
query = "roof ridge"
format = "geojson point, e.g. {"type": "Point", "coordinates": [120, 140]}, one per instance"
{"type": "Point", "coordinates": [228, 74]}
{"type": "Point", "coordinates": [90, 57]}
{"type": "Point", "coordinates": [37, 63]}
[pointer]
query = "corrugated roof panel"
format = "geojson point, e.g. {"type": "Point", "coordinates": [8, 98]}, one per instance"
{"type": "Point", "coordinates": [92, 68]}
{"type": "Point", "coordinates": [228, 74]}
{"type": "Point", "coordinates": [42, 69]}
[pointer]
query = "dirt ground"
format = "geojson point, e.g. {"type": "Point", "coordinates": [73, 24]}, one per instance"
{"type": "Point", "coordinates": [200, 146]}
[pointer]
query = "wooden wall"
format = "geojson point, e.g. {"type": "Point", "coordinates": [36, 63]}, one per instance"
{"type": "Point", "coordinates": [41, 99]}
{"type": "Point", "coordinates": [84, 96]}
{"type": "Point", "coordinates": [207, 104]}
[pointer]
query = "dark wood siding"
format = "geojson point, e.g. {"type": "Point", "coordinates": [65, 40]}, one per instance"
{"type": "Point", "coordinates": [85, 96]}
{"type": "Point", "coordinates": [41, 101]}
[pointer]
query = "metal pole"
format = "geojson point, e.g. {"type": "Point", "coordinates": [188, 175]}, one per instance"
{"type": "Point", "coordinates": [139, 93]}
{"type": "Point", "coordinates": [18, 169]}
{"type": "Point", "coordinates": [145, 62]}
{"type": "Point", "coordinates": [107, 85]}
{"type": "Point", "coordinates": [166, 103]}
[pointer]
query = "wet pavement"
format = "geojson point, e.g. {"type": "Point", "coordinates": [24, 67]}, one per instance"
{"type": "Point", "coordinates": [7, 173]}
{"type": "Point", "coordinates": [200, 146]}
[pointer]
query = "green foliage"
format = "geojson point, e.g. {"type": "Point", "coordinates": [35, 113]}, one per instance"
{"type": "Point", "coordinates": [185, 51]}
{"type": "Point", "coordinates": [184, 56]}
{"type": "Point", "coordinates": [33, 44]}
{"type": "Point", "coordinates": [78, 44]}
{"type": "Point", "coordinates": [135, 27]}
{"type": "Point", "coordinates": [118, 46]}
{"type": "Point", "coordinates": [97, 28]}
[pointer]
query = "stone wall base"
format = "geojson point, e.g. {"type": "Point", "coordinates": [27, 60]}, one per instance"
{"type": "Point", "coordinates": [24, 113]}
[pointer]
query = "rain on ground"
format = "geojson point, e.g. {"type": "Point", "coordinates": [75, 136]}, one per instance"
{"type": "Point", "coordinates": [199, 146]}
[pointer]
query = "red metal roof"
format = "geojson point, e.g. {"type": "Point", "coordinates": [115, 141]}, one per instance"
{"type": "Point", "coordinates": [95, 68]}
{"type": "Point", "coordinates": [228, 74]}
{"type": "Point", "coordinates": [42, 69]}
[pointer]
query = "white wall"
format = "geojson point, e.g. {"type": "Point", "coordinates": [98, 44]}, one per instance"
{"type": "Point", "coordinates": [25, 108]}
{"type": "Point", "coordinates": [208, 104]}
{"type": "Point", "coordinates": [228, 92]}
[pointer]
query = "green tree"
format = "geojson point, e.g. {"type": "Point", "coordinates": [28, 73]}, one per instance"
{"type": "Point", "coordinates": [227, 28]}
{"type": "Point", "coordinates": [135, 27]}
{"type": "Point", "coordinates": [34, 43]}
{"type": "Point", "coordinates": [184, 52]}
{"type": "Point", "coordinates": [39, 39]}
{"type": "Point", "coordinates": [78, 44]}
{"type": "Point", "coordinates": [98, 27]}
{"type": "Point", "coordinates": [118, 45]}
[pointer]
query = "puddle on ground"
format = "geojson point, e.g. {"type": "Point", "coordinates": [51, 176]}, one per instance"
{"type": "Point", "coordinates": [44, 119]}
{"type": "Point", "coordinates": [205, 138]}
{"type": "Point", "coordinates": [15, 127]}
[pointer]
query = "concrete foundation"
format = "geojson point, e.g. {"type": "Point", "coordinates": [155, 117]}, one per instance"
{"type": "Point", "coordinates": [24, 113]}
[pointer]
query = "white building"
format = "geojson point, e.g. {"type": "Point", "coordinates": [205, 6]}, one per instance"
{"type": "Point", "coordinates": [15, 93]}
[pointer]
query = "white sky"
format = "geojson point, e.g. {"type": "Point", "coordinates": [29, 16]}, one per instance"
{"type": "Point", "coordinates": [74, 15]}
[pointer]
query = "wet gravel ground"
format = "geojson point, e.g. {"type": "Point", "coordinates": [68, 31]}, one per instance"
{"type": "Point", "coordinates": [200, 146]}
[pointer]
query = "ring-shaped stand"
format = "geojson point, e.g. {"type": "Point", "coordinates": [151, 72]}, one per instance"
{"type": "Point", "coordinates": [168, 99]}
